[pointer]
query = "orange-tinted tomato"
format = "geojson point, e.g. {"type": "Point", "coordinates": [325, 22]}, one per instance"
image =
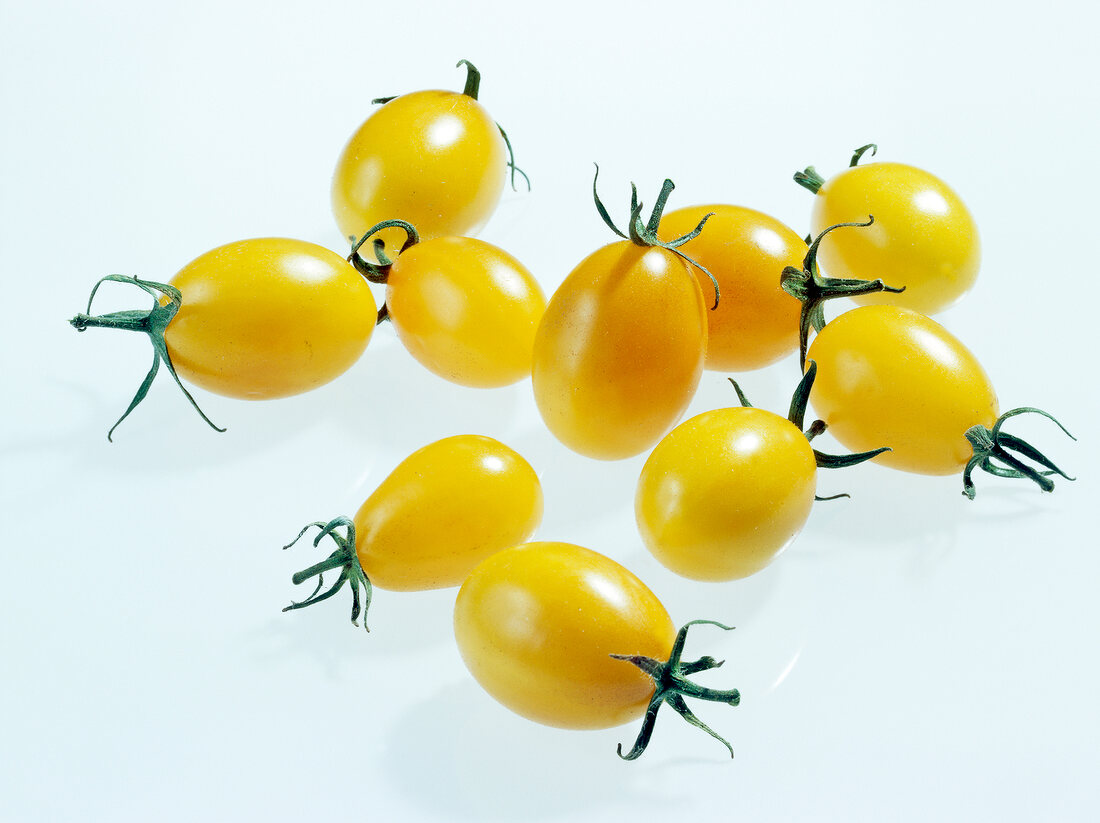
{"type": "Point", "coordinates": [268, 318]}
{"type": "Point", "coordinates": [446, 507]}
{"type": "Point", "coordinates": [536, 625]}
{"type": "Point", "coordinates": [725, 492]}
{"type": "Point", "coordinates": [465, 309]}
{"type": "Point", "coordinates": [620, 350]}
{"type": "Point", "coordinates": [756, 322]}
{"type": "Point", "coordinates": [923, 237]}
{"type": "Point", "coordinates": [889, 376]}
{"type": "Point", "coordinates": [433, 158]}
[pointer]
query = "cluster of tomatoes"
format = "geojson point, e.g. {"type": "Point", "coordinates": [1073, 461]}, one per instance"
{"type": "Point", "coordinates": [559, 633]}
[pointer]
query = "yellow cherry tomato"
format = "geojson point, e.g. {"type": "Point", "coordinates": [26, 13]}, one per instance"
{"type": "Point", "coordinates": [446, 507]}
{"type": "Point", "coordinates": [268, 318]}
{"type": "Point", "coordinates": [756, 322]}
{"type": "Point", "coordinates": [567, 637]}
{"type": "Point", "coordinates": [620, 350]}
{"type": "Point", "coordinates": [434, 158]}
{"type": "Point", "coordinates": [255, 319]}
{"type": "Point", "coordinates": [466, 309]}
{"type": "Point", "coordinates": [537, 624]}
{"type": "Point", "coordinates": [725, 492]}
{"type": "Point", "coordinates": [889, 376]}
{"type": "Point", "coordinates": [923, 237]}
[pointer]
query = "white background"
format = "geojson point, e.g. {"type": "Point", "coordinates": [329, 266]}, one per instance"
{"type": "Point", "coordinates": [913, 656]}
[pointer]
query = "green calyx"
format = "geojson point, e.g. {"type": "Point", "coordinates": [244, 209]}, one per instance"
{"type": "Point", "coordinates": [346, 559]}
{"type": "Point", "coordinates": [645, 234]}
{"type": "Point", "coordinates": [812, 290]}
{"type": "Point", "coordinates": [153, 323]}
{"type": "Point", "coordinates": [380, 272]}
{"type": "Point", "coordinates": [996, 452]}
{"type": "Point", "coordinates": [810, 178]}
{"type": "Point", "coordinates": [797, 415]}
{"type": "Point", "coordinates": [672, 686]}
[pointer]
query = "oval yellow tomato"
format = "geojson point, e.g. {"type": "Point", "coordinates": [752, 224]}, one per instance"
{"type": "Point", "coordinates": [890, 376]}
{"type": "Point", "coordinates": [466, 309]}
{"type": "Point", "coordinates": [567, 637]}
{"type": "Point", "coordinates": [434, 158]}
{"type": "Point", "coordinates": [255, 319]}
{"type": "Point", "coordinates": [756, 322]}
{"type": "Point", "coordinates": [923, 236]}
{"type": "Point", "coordinates": [268, 318]}
{"type": "Point", "coordinates": [620, 350]}
{"type": "Point", "coordinates": [537, 625]}
{"type": "Point", "coordinates": [445, 507]}
{"type": "Point", "coordinates": [725, 492]}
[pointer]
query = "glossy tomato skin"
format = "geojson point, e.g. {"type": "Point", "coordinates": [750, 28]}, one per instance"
{"type": "Point", "coordinates": [445, 508]}
{"type": "Point", "coordinates": [725, 492]}
{"type": "Point", "coordinates": [536, 625]}
{"type": "Point", "coordinates": [923, 238]}
{"type": "Point", "coordinates": [620, 350]}
{"type": "Point", "coordinates": [889, 376]}
{"type": "Point", "coordinates": [756, 322]}
{"type": "Point", "coordinates": [466, 309]}
{"type": "Point", "coordinates": [433, 158]}
{"type": "Point", "coordinates": [268, 318]}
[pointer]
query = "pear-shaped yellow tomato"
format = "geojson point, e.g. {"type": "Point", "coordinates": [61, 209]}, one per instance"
{"type": "Point", "coordinates": [537, 624]}
{"type": "Point", "coordinates": [434, 158]}
{"type": "Point", "coordinates": [889, 376]}
{"type": "Point", "coordinates": [923, 237]}
{"type": "Point", "coordinates": [446, 507]}
{"type": "Point", "coordinates": [756, 322]}
{"type": "Point", "coordinates": [620, 350]}
{"type": "Point", "coordinates": [268, 318]}
{"type": "Point", "coordinates": [725, 492]}
{"type": "Point", "coordinates": [465, 309]}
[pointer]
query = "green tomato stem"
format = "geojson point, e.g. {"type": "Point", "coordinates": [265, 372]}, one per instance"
{"type": "Point", "coordinates": [812, 290]}
{"type": "Point", "coordinates": [473, 78]}
{"type": "Point", "coordinates": [153, 323]}
{"type": "Point", "coordinates": [995, 445]}
{"type": "Point", "coordinates": [858, 154]}
{"type": "Point", "coordinates": [379, 272]}
{"type": "Point", "coordinates": [671, 686]}
{"type": "Point", "coordinates": [645, 234]}
{"type": "Point", "coordinates": [346, 559]}
{"type": "Point", "coordinates": [796, 413]}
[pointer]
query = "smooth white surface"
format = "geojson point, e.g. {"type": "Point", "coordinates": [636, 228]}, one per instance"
{"type": "Point", "coordinates": [913, 656]}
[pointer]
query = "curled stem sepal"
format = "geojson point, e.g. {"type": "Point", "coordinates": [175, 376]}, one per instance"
{"type": "Point", "coordinates": [811, 289]}
{"type": "Point", "coordinates": [994, 444]}
{"type": "Point", "coordinates": [672, 686]}
{"type": "Point", "coordinates": [346, 559]}
{"type": "Point", "coordinates": [153, 323]}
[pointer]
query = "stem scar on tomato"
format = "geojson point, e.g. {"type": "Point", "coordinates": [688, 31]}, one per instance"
{"type": "Point", "coordinates": [671, 686]}
{"type": "Point", "coordinates": [810, 288]}
{"type": "Point", "coordinates": [152, 323]}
